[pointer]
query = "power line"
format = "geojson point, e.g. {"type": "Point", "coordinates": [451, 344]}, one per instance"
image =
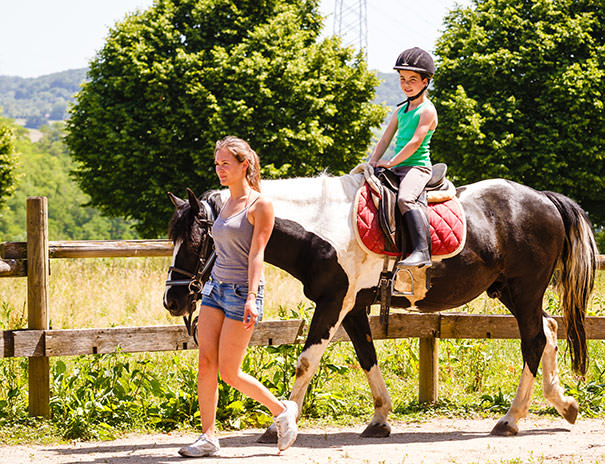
{"type": "Point", "coordinates": [351, 23]}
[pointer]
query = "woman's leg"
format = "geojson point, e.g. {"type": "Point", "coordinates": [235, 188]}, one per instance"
{"type": "Point", "coordinates": [210, 323]}
{"type": "Point", "coordinates": [234, 339]}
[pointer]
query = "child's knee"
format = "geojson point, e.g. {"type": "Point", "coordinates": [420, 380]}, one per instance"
{"type": "Point", "coordinates": [405, 204]}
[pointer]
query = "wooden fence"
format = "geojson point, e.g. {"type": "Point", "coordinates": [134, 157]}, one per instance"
{"type": "Point", "coordinates": [38, 343]}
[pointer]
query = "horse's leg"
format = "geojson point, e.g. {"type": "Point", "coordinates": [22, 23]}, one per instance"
{"type": "Point", "coordinates": [553, 392]}
{"type": "Point", "coordinates": [358, 328]}
{"type": "Point", "coordinates": [526, 305]}
{"type": "Point", "coordinates": [324, 323]}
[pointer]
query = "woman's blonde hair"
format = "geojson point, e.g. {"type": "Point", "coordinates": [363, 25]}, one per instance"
{"type": "Point", "coordinates": [242, 151]}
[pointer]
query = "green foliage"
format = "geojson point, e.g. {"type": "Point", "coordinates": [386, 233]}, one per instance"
{"type": "Point", "coordinates": [519, 91]}
{"type": "Point", "coordinates": [172, 80]}
{"type": "Point", "coordinates": [13, 403]}
{"type": "Point", "coordinates": [497, 402]}
{"type": "Point", "coordinates": [39, 100]}
{"type": "Point", "coordinates": [43, 170]}
{"type": "Point", "coordinates": [105, 393]}
{"type": "Point", "coordinates": [7, 161]}
{"type": "Point", "coordinates": [590, 395]}
{"type": "Point", "coordinates": [600, 238]}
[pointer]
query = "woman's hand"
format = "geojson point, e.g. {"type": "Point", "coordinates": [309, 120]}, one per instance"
{"type": "Point", "coordinates": [250, 311]}
{"type": "Point", "coordinates": [383, 164]}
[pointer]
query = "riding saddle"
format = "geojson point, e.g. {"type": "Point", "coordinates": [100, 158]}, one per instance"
{"type": "Point", "coordinates": [438, 189]}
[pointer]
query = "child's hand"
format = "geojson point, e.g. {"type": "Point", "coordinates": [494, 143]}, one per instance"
{"type": "Point", "coordinates": [383, 164]}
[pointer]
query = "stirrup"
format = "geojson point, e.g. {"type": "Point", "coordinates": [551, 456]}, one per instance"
{"type": "Point", "coordinates": [396, 292]}
{"type": "Point", "coordinates": [427, 280]}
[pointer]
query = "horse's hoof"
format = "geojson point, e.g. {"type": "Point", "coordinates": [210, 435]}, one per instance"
{"type": "Point", "coordinates": [376, 431]}
{"type": "Point", "coordinates": [504, 429]}
{"type": "Point", "coordinates": [571, 412]}
{"type": "Point", "coordinates": [270, 435]}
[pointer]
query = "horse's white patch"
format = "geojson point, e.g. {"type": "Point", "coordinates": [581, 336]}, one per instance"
{"type": "Point", "coordinates": [520, 405]}
{"type": "Point", "coordinates": [553, 391]}
{"type": "Point", "coordinates": [175, 252]}
{"type": "Point", "coordinates": [309, 360]}
{"type": "Point", "coordinates": [324, 206]}
{"type": "Point", "coordinates": [305, 369]}
{"type": "Point", "coordinates": [382, 399]}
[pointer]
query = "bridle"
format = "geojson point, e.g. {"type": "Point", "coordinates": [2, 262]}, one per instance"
{"type": "Point", "coordinates": [195, 280]}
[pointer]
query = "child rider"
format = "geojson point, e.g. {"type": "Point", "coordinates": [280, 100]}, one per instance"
{"type": "Point", "coordinates": [413, 124]}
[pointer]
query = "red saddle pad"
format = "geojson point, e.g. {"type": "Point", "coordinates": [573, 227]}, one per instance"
{"type": "Point", "coordinates": [447, 222]}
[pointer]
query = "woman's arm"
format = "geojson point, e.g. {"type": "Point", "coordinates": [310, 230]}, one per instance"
{"type": "Point", "coordinates": [427, 119]}
{"type": "Point", "coordinates": [262, 217]}
{"type": "Point", "coordinates": [384, 141]}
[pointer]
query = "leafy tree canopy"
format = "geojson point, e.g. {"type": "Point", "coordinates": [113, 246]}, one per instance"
{"type": "Point", "coordinates": [519, 91]}
{"type": "Point", "coordinates": [172, 80]}
{"type": "Point", "coordinates": [43, 169]}
{"type": "Point", "coordinates": [7, 161]}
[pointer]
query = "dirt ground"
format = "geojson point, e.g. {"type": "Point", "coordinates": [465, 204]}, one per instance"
{"type": "Point", "coordinates": [434, 441]}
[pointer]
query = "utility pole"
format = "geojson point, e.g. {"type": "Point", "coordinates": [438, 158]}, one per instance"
{"type": "Point", "coordinates": [351, 23]}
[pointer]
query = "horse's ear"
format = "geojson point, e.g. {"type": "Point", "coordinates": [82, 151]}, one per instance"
{"type": "Point", "coordinates": [176, 201]}
{"type": "Point", "coordinates": [195, 204]}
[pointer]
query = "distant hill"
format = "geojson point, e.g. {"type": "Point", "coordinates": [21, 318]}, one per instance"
{"type": "Point", "coordinates": [38, 100]}
{"type": "Point", "coordinates": [389, 92]}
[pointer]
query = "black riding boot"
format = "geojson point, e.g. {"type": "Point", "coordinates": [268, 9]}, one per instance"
{"type": "Point", "coordinates": [417, 229]}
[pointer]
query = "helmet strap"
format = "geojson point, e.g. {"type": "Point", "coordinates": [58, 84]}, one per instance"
{"type": "Point", "coordinates": [411, 99]}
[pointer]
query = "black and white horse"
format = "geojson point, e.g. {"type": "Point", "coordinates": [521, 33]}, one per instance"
{"type": "Point", "coordinates": [517, 238]}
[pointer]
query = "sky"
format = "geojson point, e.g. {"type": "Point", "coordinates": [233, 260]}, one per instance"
{"type": "Point", "coordinates": [39, 37]}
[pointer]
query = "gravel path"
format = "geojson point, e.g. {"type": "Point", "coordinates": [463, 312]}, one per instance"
{"type": "Point", "coordinates": [433, 441]}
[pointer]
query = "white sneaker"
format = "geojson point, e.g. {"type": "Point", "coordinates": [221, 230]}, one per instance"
{"type": "Point", "coordinates": [286, 425]}
{"type": "Point", "coordinates": [203, 446]}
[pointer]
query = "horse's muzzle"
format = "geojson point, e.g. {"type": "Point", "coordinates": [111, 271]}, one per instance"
{"type": "Point", "coordinates": [176, 309]}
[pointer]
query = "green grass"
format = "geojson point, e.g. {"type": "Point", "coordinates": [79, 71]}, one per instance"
{"type": "Point", "coordinates": [102, 396]}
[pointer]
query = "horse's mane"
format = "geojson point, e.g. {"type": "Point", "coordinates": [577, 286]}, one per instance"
{"type": "Point", "coordinates": [303, 189]}
{"type": "Point", "coordinates": [181, 223]}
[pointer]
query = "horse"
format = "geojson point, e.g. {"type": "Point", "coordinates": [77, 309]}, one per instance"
{"type": "Point", "coordinates": [517, 239]}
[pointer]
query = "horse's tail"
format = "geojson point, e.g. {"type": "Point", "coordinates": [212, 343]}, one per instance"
{"type": "Point", "coordinates": [574, 275]}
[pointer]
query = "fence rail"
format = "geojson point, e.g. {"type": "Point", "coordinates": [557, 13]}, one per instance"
{"type": "Point", "coordinates": [38, 343]}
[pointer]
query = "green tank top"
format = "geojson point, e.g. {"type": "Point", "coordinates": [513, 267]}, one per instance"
{"type": "Point", "coordinates": [406, 126]}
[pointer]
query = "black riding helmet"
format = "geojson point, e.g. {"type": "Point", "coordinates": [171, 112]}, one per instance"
{"type": "Point", "coordinates": [416, 59]}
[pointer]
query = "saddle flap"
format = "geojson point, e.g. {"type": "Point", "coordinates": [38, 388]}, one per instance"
{"type": "Point", "coordinates": [387, 213]}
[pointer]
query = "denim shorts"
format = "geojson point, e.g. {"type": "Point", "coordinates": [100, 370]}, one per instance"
{"type": "Point", "coordinates": [231, 298]}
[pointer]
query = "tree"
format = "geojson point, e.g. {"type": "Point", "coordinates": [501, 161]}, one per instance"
{"type": "Point", "coordinates": [43, 169]}
{"type": "Point", "coordinates": [7, 161]}
{"type": "Point", "coordinates": [172, 80]}
{"type": "Point", "coordinates": [519, 91]}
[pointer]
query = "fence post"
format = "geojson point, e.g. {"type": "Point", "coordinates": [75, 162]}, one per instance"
{"type": "Point", "coordinates": [428, 375]}
{"type": "Point", "coordinates": [38, 268]}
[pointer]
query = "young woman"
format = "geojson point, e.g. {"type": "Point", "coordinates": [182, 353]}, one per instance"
{"type": "Point", "coordinates": [232, 302]}
{"type": "Point", "coordinates": [414, 124]}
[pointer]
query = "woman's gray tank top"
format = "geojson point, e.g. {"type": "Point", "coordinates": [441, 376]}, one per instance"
{"type": "Point", "coordinates": [232, 238]}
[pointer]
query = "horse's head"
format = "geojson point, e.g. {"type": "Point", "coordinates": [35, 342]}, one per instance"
{"type": "Point", "coordinates": [193, 254]}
